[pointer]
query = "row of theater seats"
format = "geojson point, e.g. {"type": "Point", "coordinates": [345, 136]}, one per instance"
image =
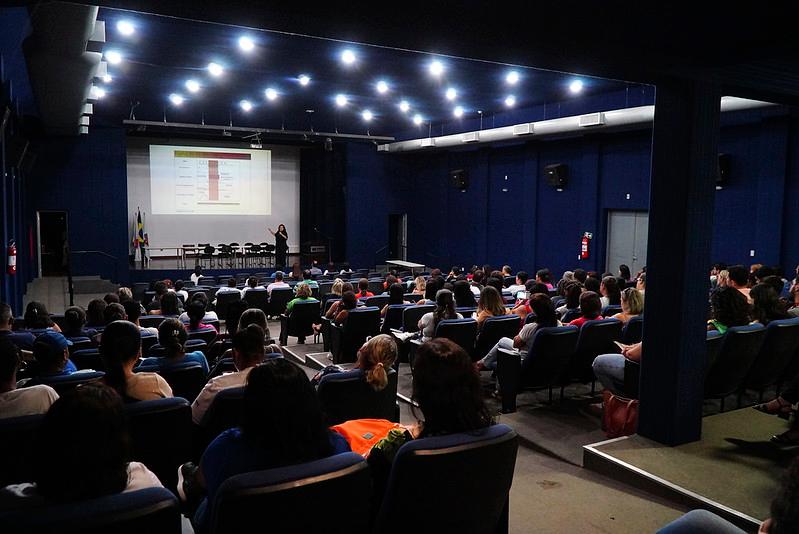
{"type": "Point", "coordinates": [428, 480]}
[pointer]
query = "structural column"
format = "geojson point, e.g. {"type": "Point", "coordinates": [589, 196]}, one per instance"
{"type": "Point", "coordinates": [684, 166]}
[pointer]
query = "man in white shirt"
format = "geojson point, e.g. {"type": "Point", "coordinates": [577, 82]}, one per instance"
{"type": "Point", "coordinates": [24, 401]}
{"type": "Point", "coordinates": [248, 351]}
{"type": "Point", "coordinates": [230, 288]}
{"type": "Point", "coordinates": [252, 283]}
{"type": "Point", "coordinates": [278, 283]}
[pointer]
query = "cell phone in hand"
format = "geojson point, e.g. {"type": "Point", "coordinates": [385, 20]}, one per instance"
{"type": "Point", "coordinates": [622, 346]}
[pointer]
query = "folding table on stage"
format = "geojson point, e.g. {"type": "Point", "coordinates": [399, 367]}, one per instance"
{"type": "Point", "coordinates": [406, 265]}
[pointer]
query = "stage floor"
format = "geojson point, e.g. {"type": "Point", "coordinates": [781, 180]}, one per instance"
{"type": "Point", "coordinates": [736, 479]}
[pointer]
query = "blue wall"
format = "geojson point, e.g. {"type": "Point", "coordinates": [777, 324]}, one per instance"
{"type": "Point", "coordinates": [87, 177]}
{"type": "Point", "coordinates": [531, 225]}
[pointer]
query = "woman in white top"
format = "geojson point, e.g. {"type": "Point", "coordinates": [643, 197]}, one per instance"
{"type": "Point", "coordinates": [82, 451]}
{"type": "Point", "coordinates": [120, 348]}
{"type": "Point", "coordinates": [445, 309]}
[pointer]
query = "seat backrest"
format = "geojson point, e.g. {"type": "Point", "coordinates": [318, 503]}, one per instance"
{"type": "Point", "coordinates": [88, 359]}
{"type": "Point", "coordinates": [494, 329]}
{"type": "Point", "coordinates": [377, 300]}
{"type": "Point", "coordinates": [333, 484]}
{"type": "Point", "coordinates": [257, 298]}
{"type": "Point", "coordinates": [393, 317]}
{"type": "Point", "coordinates": [610, 310]}
{"type": "Point", "coordinates": [151, 321]}
{"type": "Point", "coordinates": [224, 412]}
{"type": "Point", "coordinates": [779, 347]}
{"type": "Point", "coordinates": [429, 478]}
{"type": "Point", "coordinates": [412, 297]}
{"type": "Point", "coordinates": [548, 355]}
{"type": "Point", "coordinates": [596, 337]}
{"type": "Point", "coordinates": [412, 314]}
{"type": "Point", "coordinates": [325, 288]}
{"type": "Point", "coordinates": [17, 437]}
{"type": "Point", "coordinates": [151, 510]}
{"type": "Point", "coordinates": [738, 351]}
{"type": "Point", "coordinates": [302, 318]}
{"type": "Point", "coordinates": [80, 343]}
{"type": "Point", "coordinates": [147, 342]}
{"type": "Point", "coordinates": [186, 379]}
{"type": "Point", "coordinates": [461, 331]}
{"type": "Point", "coordinates": [278, 300]}
{"type": "Point", "coordinates": [207, 336]}
{"type": "Point", "coordinates": [223, 300]}
{"type": "Point", "coordinates": [347, 396]}
{"type": "Point", "coordinates": [570, 316]}
{"type": "Point", "coordinates": [64, 383]}
{"type": "Point", "coordinates": [633, 331]}
{"type": "Point", "coordinates": [360, 324]}
{"type": "Point", "coordinates": [160, 432]}
{"type": "Point", "coordinates": [376, 286]}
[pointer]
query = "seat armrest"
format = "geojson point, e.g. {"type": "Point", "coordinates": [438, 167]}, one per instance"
{"type": "Point", "coordinates": [417, 342]}
{"type": "Point", "coordinates": [511, 352]}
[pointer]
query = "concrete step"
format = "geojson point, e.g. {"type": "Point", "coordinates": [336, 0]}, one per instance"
{"type": "Point", "coordinates": [53, 291]}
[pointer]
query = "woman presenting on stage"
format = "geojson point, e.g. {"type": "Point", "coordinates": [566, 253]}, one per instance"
{"type": "Point", "coordinates": [281, 245]}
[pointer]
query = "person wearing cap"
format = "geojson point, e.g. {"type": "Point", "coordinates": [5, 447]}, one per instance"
{"type": "Point", "coordinates": [23, 340]}
{"type": "Point", "coordinates": [15, 402]}
{"type": "Point", "coordinates": [51, 352]}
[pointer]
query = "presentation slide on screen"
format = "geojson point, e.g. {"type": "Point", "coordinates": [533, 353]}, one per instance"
{"type": "Point", "coordinates": [186, 180]}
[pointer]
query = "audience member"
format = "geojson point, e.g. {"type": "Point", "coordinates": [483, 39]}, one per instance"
{"type": "Point", "coordinates": [37, 318]}
{"type": "Point", "coordinates": [624, 273]}
{"type": "Point", "coordinates": [169, 306]}
{"type": "Point", "coordinates": [496, 283]}
{"type": "Point", "coordinates": [445, 309]}
{"type": "Point", "coordinates": [15, 402]}
{"type": "Point", "coordinates": [196, 312]}
{"type": "Point", "coordinates": [580, 275]}
{"type": "Point", "coordinates": [248, 351]}
{"type": "Point", "coordinates": [464, 298]}
{"type": "Point", "coordinates": [476, 285]}
{"type": "Point", "coordinates": [609, 288]}
{"type": "Point", "coordinates": [568, 276]}
{"type": "Point", "coordinates": [592, 284]}
{"type": "Point", "coordinates": [160, 289]}
{"type": "Point", "coordinates": [374, 358]}
{"type": "Point", "coordinates": [590, 308]}
{"type": "Point", "coordinates": [232, 315]}
{"type": "Point", "coordinates": [609, 368]}
{"type": "Point", "coordinates": [180, 291]}
{"type": "Point", "coordinates": [89, 429]}
{"type": "Point", "coordinates": [172, 337]}
{"type": "Point", "coordinates": [51, 355]}
{"type": "Point", "coordinates": [196, 275]}
{"type": "Point", "coordinates": [545, 317]}
{"type": "Point", "coordinates": [340, 309]}
{"type": "Point", "coordinates": [229, 289]}
{"type": "Point", "coordinates": [256, 317]}
{"type": "Point", "coordinates": [363, 289]}
{"type": "Point", "coordinates": [114, 312]}
{"type": "Point", "coordinates": [543, 276]}
{"type": "Point", "coordinates": [419, 286]}
{"type": "Point", "coordinates": [766, 304]}
{"type": "Point", "coordinates": [490, 305]}
{"type": "Point", "coordinates": [632, 305]}
{"type": "Point", "coordinates": [75, 322]}
{"type": "Point", "coordinates": [120, 348]}
{"type": "Point", "coordinates": [133, 313]}
{"type": "Point", "coordinates": [640, 283]}
{"type": "Point", "coordinates": [282, 424]}
{"type": "Point", "coordinates": [440, 366]}
{"type": "Point", "coordinates": [572, 294]}
{"type": "Point", "coordinates": [278, 283]}
{"type": "Point", "coordinates": [739, 279]}
{"type": "Point", "coordinates": [111, 298]}
{"type": "Point", "coordinates": [94, 314]}
{"type": "Point", "coordinates": [396, 295]}
{"type": "Point", "coordinates": [307, 278]}
{"type": "Point", "coordinates": [209, 315]}
{"type": "Point", "coordinates": [252, 283]}
{"type": "Point", "coordinates": [793, 302]}
{"type": "Point", "coordinates": [125, 294]}
{"type": "Point", "coordinates": [431, 288]}
{"type": "Point", "coordinates": [729, 308]}
{"type": "Point", "coordinates": [23, 340]}
{"type": "Point", "coordinates": [521, 279]}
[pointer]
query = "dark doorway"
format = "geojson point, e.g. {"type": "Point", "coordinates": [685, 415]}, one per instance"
{"type": "Point", "coordinates": [397, 236]}
{"type": "Point", "coordinates": [52, 243]}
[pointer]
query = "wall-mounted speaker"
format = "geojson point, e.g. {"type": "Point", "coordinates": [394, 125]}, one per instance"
{"type": "Point", "coordinates": [557, 175]}
{"type": "Point", "coordinates": [459, 179]}
{"type": "Point", "coordinates": [723, 174]}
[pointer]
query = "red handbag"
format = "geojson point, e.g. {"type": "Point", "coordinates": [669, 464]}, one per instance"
{"type": "Point", "coordinates": [619, 415]}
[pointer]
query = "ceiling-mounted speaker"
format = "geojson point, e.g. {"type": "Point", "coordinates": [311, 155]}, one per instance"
{"type": "Point", "coordinates": [723, 171]}
{"type": "Point", "coordinates": [557, 175]}
{"type": "Point", "coordinates": [459, 179]}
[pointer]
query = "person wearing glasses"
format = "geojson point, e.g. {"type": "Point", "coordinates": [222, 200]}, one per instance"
{"type": "Point", "coordinates": [632, 305]}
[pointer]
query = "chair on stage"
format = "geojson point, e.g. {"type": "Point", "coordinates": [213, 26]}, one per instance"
{"type": "Point", "coordinates": [207, 253]}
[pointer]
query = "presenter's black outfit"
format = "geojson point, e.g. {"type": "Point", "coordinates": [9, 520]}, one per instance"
{"type": "Point", "coordinates": [281, 247]}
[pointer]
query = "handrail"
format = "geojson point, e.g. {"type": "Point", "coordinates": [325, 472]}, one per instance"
{"type": "Point", "coordinates": [69, 269]}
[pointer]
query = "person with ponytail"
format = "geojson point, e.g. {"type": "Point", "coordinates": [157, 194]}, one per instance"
{"type": "Point", "coordinates": [375, 357]}
{"type": "Point", "coordinates": [172, 337]}
{"type": "Point", "coordinates": [445, 309]}
{"type": "Point", "coordinates": [120, 349]}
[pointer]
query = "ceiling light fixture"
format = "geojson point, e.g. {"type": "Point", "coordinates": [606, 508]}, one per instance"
{"type": "Point", "coordinates": [215, 69]}
{"type": "Point", "coordinates": [246, 105]}
{"type": "Point", "coordinates": [271, 94]}
{"type": "Point", "coordinates": [246, 44]}
{"type": "Point", "coordinates": [176, 99]}
{"type": "Point", "coordinates": [436, 68]}
{"type": "Point", "coordinates": [193, 86]}
{"type": "Point", "coordinates": [304, 79]}
{"type": "Point", "coordinates": [113, 57]}
{"type": "Point", "coordinates": [367, 115]}
{"type": "Point", "coordinates": [404, 106]}
{"type": "Point", "coordinates": [107, 78]}
{"type": "Point", "coordinates": [458, 112]}
{"type": "Point", "coordinates": [510, 101]}
{"type": "Point", "coordinates": [97, 92]}
{"type": "Point", "coordinates": [417, 119]}
{"type": "Point", "coordinates": [348, 57]}
{"type": "Point", "coordinates": [341, 100]}
{"type": "Point", "coordinates": [125, 27]}
{"type": "Point", "coordinates": [451, 94]}
{"type": "Point", "coordinates": [576, 86]}
{"type": "Point", "coordinates": [512, 78]}
{"type": "Point", "coordinates": [382, 87]}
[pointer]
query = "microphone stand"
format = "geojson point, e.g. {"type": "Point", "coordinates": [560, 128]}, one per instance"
{"type": "Point", "coordinates": [329, 247]}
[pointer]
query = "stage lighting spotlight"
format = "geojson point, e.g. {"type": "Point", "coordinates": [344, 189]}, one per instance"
{"type": "Point", "coordinates": [458, 112]}
{"type": "Point", "coordinates": [348, 57]}
{"type": "Point", "coordinates": [404, 106]}
{"type": "Point", "coordinates": [436, 68]}
{"type": "Point", "coordinates": [367, 115]}
{"type": "Point", "coordinates": [512, 77]}
{"type": "Point", "coordinates": [510, 101]}
{"type": "Point", "coordinates": [271, 94]}
{"type": "Point", "coordinates": [192, 85]}
{"type": "Point", "coordinates": [246, 44]}
{"type": "Point", "coordinates": [125, 27]}
{"type": "Point", "coordinates": [176, 99]}
{"type": "Point", "coordinates": [304, 79]}
{"type": "Point", "coordinates": [341, 100]}
{"type": "Point", "coordinates": [451, 94]}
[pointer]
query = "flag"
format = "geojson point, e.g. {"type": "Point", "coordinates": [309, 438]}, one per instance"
{"type": "Point", "coordinates": [134, 241]}
{"type": "Point", "coordinates": [140, 235]}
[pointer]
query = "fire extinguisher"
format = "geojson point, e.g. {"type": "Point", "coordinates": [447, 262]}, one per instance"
{"type": "Point", "coordinates": [12, 257]}
{"type": "Point", "coordinates": [585, 246]}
